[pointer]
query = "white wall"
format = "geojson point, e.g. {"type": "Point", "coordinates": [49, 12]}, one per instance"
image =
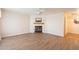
{"type": "Point", "coordinates": [55, 24]}
{"type": "Point", "coordinates": [14, 23]}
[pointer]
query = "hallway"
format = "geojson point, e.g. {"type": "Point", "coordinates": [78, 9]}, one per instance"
{"type": "Point", "coordinates": [72, 36]}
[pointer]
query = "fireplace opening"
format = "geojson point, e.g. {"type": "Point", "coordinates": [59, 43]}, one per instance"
{"type": "Point", "coordinates": [38, 29]}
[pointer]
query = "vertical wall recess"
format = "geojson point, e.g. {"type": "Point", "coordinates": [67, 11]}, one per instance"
{"type": "Point", "coordinates": [0, 23]}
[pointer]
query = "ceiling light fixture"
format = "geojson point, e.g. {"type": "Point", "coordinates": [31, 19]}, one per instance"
{"type": "Point", "coordinates": [39, 11]}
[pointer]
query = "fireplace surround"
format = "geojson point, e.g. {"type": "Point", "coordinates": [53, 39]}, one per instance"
{"type": "Point", "coordinates": [38, 29]}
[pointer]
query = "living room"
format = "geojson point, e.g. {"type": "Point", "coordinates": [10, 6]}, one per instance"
{"type": "Point", "coordinates": [28, 28]}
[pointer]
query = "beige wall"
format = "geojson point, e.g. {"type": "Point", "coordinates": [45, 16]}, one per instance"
{"type": "Point", "coordinates": [75, 27]}
{"type": "Point", "coordinates": [0, 24]}
{"type": "Point", "coordinates": [14, 23]}
{"type": "Point", "coordinates": [70, 26]}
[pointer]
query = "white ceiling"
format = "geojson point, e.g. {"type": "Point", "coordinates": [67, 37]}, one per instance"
{"type": "Point", "coordinates": [44, 10]}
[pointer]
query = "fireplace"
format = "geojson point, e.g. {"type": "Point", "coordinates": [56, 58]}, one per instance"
{"type": "Point", "coordinates": [38, 29]}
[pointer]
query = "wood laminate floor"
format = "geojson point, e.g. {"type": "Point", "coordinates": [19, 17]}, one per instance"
{"type": "Point", "coordinates": [72, 36]}
{"type": "Point", "coordinates": [38, 41]}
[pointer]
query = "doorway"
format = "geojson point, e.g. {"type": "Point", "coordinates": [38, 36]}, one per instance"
{"type": "Point", "coordinates": [71, 29]}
